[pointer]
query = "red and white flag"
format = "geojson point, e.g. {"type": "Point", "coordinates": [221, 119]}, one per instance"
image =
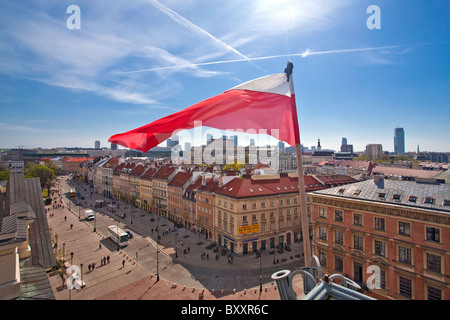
{"type": "Point", "coordinates": [264, 105]}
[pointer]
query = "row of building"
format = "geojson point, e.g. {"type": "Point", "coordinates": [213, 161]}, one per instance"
{"type": "Point", "coordinates": [403, 227]}
{"type": "Point", "coordinates": [242, 212]}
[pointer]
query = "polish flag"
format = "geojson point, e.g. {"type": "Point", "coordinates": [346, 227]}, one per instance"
{"type": "Point", "coordinates": [264, 105]}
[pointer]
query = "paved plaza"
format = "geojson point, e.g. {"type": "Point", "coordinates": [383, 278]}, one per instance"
{"type": "Point", "coordinates": [187, 269]}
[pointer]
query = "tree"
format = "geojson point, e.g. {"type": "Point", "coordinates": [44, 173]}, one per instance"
{"type": "Point", "coordinates": [45, 174]}
{"type": "Point", "coordinates": [4, 174]}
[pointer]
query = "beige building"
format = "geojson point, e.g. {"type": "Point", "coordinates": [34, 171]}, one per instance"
{"type": "Point", "coordinates": [160, 181]}
{"type": "Point", "coordinates": [146, 189]}
{"type": "Point", "coordinates": [259, 212]}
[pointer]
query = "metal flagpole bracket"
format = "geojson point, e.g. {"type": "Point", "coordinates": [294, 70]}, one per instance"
{"type": "Point", "coordinates": [288, 70]}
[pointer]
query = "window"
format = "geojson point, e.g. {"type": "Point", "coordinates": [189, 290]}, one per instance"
{"type": "Point", "coordinates": [380, 248]}
{"type": "Point", "coordinates": [263, 204]}
{"type": "Point", "coordinates": [339, 237]}
{"type": "Point", "coordinates": [254, 205]}
{"type": "Point", "coordinates": [357, 219]}
{"type": "Point", "coordinates": [358, 242]}
{"type": "Point", "coordinates": [433, 234]}
{"type": "Point", "coordinates": [379, 224]}
{"type": "Point", "coordinates": [244, 218]}
{"type": "Point", "coordinates": [288, 201]}
{"type": "Point", "coordinates": [433, 263]}
{"type": "Point", "coordinates": [405, 287]}
{"type": "Point", "coordinates": [404, 228]}
{"type": "Point", "coordinates": [428, 200]}
{"type": "Point", "coordinates": [323, 258]}
{"type": "Point", "coordinates": [434, 293]}
{"type": "Point", "coordinates": [244, 206]}
{"type": "Point", "coordinates": [322, 212]}
{"type": "Point", "coordinates": [323, 233]}
{"type": "Point", "coordinates": [412, 199]}
{"type": "Point", "coordinates": [338, 264]}
{"type": "Point", "coordinates": [338, 215]}
{"type": "Point", "coordinates": [254, 217]}
{"type": "Point", "coordinates": [404, 255]}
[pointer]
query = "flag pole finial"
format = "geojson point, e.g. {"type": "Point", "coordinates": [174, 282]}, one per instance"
{"type": "Point", "coordinates": [289, 68]}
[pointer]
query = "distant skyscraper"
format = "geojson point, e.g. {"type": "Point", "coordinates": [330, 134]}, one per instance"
{"type": "Point", "coordinates": [209, 137]}
{"type": "Point", "coordinates": [113, 146]}
{"type": "Point", "coordinates": [175, 140]}
{"type": "Point", "coordinates": [235, 140]}
{"type": "Point", "coordinates": [374, 151]}
{"type": "Point", "coordinates": [399, 141]}
{"type": "Point", "coordinates": [169, 142]}
{"type": "Point", "coordinates": [97, 144]}
{"type": "Point", "coordinates": [280, 146]}
{"type": "Point", "coordinates": [252, 142]}
{"type": "Point", "coordinates": [346, 147]}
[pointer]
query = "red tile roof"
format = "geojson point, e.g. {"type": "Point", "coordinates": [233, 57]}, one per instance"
{"type": "Point", "coordinates": [138, 170]}
{"type": "Point", "coordinates": [180, 179]}
{"type": "Point", "coordinates": [149, 173]}
{"type": "Point", "coordinates": [247, 187]}
{"type": "Point", "coordinates": [164, 172]}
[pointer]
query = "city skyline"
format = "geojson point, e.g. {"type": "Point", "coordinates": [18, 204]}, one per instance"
{"type": "Point", "coordinates": [131, 64]}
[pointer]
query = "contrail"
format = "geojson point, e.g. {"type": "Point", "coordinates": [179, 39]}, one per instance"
{"type": "Point", "coordinates": [304, 54]}
{"type": "Point", "coordinates": [193, 27]}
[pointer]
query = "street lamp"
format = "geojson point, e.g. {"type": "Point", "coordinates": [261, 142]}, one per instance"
{"type": "Point", "coordinates": [157, 263]}
{"type": "Point", "coordinates": [176, 246]}
{"type": "Point", "coordinates": [275, 247]}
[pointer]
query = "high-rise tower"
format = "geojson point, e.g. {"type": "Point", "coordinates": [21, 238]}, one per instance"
{"type": "Point", "coordinates": [399, 141]}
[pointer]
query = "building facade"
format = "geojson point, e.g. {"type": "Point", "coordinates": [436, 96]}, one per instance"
{"type": "Point", "coordinates": [400, 227]}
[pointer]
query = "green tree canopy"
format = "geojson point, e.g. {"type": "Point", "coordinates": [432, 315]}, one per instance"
{"type": "Point", "coordinates": [45, 174]}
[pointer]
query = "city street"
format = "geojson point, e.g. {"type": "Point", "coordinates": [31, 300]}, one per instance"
{"type": "Point", "coordinates": [180, 257]}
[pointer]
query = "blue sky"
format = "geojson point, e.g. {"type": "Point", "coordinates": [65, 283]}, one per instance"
{"type": "Point", "coordinates": [62, 87]}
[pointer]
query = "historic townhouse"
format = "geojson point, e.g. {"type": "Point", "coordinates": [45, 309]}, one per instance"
{"type": "Point", "coordinates": [116, 180]}
{"type": "Point", "coordinates": [205, 205]}
{"type": "Point", "coordinates": [401, 227]}
{"type": "Point", "coordinates": [259, 212]}
{"type": "Point", "coordinates": [160, 181]}
{"type": "Point", "coordinates": [146, 190]}
{"type": "Point", "coordinates": [175, 190]}
{"type": "Point", "coordinates": [124, 178]}
{"type": "Point", "coordinates": [107, 177]}
{"type": "Point", "coordinates": [189, 214]}
{"type": "Point", "coordinates": [135, 184]}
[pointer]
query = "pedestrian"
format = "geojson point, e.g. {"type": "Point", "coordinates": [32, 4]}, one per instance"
{"type": "Point", "coordinates": [107, 259]}
{"type": "Point", "coordinates": [207, 256]}
{"type": "Point", "coordinates": [123, 263]}
{"type": "Point", "coordinates": [99, 245]}
{"type": "Point", "coordinates": [71, 226]}
{"type": "Point", "coordinates": [89, 267]}
{"type": "Point", "coordinates": [65, 218]}
{"type": "Point", "coordinates": [93, 266]}
{"type": "Point", "coordinates": [101, 261]}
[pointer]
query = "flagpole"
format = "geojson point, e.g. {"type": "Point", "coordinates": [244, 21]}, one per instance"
{"type": "Point", "coordinates": [301, 179]}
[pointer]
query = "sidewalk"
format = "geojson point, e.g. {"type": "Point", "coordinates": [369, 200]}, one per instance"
{"type": "Point", "coordinates": [135, 281]}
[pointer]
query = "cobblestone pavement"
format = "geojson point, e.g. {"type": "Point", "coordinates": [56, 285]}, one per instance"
{"type": "Point", "coordinates": [187, 269]}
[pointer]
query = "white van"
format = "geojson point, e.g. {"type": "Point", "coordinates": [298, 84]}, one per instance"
{"type": "Point", "coordinates": [89, 215]}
